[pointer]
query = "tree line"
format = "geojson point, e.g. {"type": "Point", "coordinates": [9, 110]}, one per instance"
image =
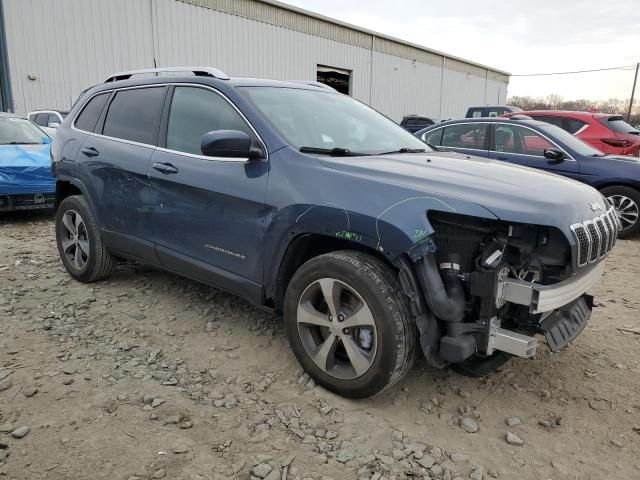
{"type": "Point", "coordinates": [556, 102]}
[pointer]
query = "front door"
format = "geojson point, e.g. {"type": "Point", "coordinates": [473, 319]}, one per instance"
{"type": "Point", "coordinates": [524, 146]}
{"type": "Point", "coordinates": [209, 213]}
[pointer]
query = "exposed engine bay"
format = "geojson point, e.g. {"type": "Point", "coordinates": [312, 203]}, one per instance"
{"type": "Point", "coordinates": [492, 285]}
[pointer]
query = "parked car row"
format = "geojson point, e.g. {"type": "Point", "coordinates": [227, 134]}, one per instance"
{"type": "Point", "coordinates": [533, 143]}
{"type": "Point", "coordinates": [605, 132]}
{"type": "Point", "coordinates": [374, 246]}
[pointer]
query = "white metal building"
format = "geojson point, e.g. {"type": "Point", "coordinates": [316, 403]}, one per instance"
{"type": "Point", "coordinates": [51, 50]}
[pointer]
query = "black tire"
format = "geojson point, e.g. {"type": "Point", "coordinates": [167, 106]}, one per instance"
{"type": "Point", "coordinates": [99, 263]}
{"type": "Point", "coordinates": [377, 285]}
{"type": "Point", "coordinates": [634, 195]}
{"type": "Point", "coordinates": [476, 367]}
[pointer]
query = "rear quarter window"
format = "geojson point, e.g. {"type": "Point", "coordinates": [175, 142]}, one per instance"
{"type": "Point", "coordinates": [90, 114]}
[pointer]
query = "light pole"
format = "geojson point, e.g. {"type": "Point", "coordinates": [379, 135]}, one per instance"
{"type": "Point", "coordinates": [633, 91]}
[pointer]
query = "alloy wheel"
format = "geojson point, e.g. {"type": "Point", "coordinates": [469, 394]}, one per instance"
{"type": "Point", "coordinates": [74, 239]}
{"type": "Point", "coordinates": [626, 209]}
{"type": "Point", "coordinates": [337, 329]}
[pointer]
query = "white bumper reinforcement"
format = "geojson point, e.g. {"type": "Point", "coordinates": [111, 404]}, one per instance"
{"type": "Point", "coordinates": [545, 298]}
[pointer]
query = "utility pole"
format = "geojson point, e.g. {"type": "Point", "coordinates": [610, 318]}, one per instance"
{"type": "Point", "coordinates": [633, 91]}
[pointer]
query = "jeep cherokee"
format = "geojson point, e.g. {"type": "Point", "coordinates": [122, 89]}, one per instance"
{"type": "Point", "coordinates": [310, 204]}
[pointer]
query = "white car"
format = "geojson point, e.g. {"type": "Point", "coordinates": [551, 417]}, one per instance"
{"type": "Point", "coordinates": [48, 120]}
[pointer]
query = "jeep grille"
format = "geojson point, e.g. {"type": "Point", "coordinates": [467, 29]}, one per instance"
{"type": "Point", "coordinates": [596, 237]}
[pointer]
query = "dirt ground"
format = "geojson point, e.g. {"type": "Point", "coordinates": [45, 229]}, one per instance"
{"type": "Point", "coordinates": [148, 376]}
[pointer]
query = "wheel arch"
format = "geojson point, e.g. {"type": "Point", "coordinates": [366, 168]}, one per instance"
{"type": "Point", "coordinates": [303, 248]}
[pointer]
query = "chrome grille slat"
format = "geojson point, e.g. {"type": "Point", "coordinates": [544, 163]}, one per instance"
{"type": "Point", "coordinates": [595, 237]}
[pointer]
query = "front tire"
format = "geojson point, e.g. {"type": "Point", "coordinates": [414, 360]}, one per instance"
{"type": "Point", "coordinates": [626, 201]}
{"type": "Point", "coordinates": [80, 244]}
{"type": "Point", "coordinates": [349, 323]}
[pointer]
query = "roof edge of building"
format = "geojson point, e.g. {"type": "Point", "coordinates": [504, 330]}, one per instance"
{"type": "Point", "coordinates": [309, 13]}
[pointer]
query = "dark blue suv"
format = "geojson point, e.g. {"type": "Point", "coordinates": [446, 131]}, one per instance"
{"type": "Point", "coordinates": [309, 204]}
{"type": "Point", "coordinates": [532, 143]}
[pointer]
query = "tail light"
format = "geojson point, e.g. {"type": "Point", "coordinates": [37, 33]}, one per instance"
{"type": "Point", "coordinates": [616, 142]}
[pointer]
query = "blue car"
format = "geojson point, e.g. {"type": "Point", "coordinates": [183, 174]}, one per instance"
{"type": "Point", "coordinates": [531, 143]}
{"type": "Point", "coordinates": [26, 182]}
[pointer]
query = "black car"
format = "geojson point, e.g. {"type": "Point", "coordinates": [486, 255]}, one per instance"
{"type": "Point", "coordinates": [413, 123]}
{"type": "Point", "coordinates": [313, 206]}
{"type": "Point", "coordinates": [532, 143]}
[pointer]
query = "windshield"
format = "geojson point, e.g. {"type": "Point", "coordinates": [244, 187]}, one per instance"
{"type": "Point", "coordinates": [19, 131]}
{"type": "Point", "coordinates": [618, 125]}
{"type": "Point", "coordinates": [328, 121]}
{"type": "Point", "coordinates": [580, 147]}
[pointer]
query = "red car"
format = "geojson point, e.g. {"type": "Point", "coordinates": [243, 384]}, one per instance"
{"type": "Point", "coordinates": [608, 133]}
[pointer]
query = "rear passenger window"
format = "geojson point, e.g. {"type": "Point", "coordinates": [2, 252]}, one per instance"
{"type": "Point", "coordinates": [88, 118]}
{"type": "Point", "coordinates": [433, 137]}
{"type": "Point", "coordinates": [557, 121]}
{"type": "Point", "coordinates": [196, 111]}
{"type": "Point", "coordinates": [576, 126]}
{"type": "Point", "coordinates": [466, 135]}
{"type": "Point", "coordinates": [42, 119]}
{"type": "Point", "coordinates": [135, 115]}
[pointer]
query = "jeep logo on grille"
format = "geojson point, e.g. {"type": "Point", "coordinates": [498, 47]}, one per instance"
{"type": "Point", "coordinates": [595, 207]}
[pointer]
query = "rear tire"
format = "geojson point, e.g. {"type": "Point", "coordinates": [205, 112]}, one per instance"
{"type": "Point", "coordinates": [79, 241]}
{"type": "Point", "coordinates": [626, 201]}
{"type": "Point", "coordinates": [379, 345]}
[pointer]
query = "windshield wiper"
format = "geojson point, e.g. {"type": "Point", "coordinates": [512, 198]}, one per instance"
{"type": "Point", "coordinates": [20, 143]}
{"type": "Point", "coordinates": [334, 152]}
{"type": "Point", "coordinates": [404, 150]}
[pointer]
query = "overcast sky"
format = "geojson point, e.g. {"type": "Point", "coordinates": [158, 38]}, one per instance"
{"type": "Point", "coordinates": [519, 36]}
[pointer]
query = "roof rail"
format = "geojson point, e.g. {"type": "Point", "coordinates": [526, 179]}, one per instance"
{"type": "Point", "coordinates": [197, 71]}
{"type": "Point", "coordinates": [315, 84]}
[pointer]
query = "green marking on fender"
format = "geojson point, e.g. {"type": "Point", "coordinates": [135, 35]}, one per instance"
{"type": "Point", "coordinates": [420, 233]}
{"type": "Point", "coordinates": [347, 235]}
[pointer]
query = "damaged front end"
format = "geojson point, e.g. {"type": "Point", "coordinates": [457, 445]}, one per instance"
{"type": "Point", "coordinates": [490, 286]}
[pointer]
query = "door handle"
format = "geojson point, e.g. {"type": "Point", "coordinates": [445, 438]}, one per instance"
{"type": "Point", "coordinates": [90, 151]}
{"type": "Point", "coordinates": [165, 168]}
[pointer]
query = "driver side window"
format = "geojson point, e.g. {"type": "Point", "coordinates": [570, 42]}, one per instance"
{"type": "Point", "coordinates": [196, 111]}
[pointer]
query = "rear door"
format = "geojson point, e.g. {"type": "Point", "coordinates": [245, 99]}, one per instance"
{"type": "Point", "coordinates": [116, 160]}
{"type": "Point", "coordinates": [209, 213]}
{"type": "Point", "coordinates": [524, 146]}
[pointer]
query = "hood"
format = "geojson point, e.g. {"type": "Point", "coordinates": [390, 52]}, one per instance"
{"type": "Point", "coordinates": [510, 192]}
{"type": "Point", "coordinates": [25, 169]}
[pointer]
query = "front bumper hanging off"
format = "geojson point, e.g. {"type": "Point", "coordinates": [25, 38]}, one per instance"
{"type": "Point", "coordinates": [545, 298]}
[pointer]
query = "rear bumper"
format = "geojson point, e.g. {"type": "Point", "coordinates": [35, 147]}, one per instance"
{"type": "Point", "coordinates": [545, 298]}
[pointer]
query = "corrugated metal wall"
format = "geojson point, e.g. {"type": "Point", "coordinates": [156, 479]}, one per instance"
{"type": "Point", "coordinates": [71, 44]}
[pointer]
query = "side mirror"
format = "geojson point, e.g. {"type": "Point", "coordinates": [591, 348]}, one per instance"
{"type": "Point", "coordinates": [229, 144]}
{"type": "Point", "coordinates": [47, 140]}
{"type": "Point", "coordinates": [554, 154]}
{"type": "Point", "coordinates": [54, 125]}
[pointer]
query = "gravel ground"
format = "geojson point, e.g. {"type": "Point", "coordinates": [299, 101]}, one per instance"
{"type": "Point", "coordinates": [148, 376]}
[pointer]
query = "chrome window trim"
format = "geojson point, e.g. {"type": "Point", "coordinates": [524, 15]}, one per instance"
{"type": "Point", "coordinates": [424, 136]}
{"type": "Point", "coordinates": [169, 150]}
{"type": "Point", "coordinates": [570, 158]}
